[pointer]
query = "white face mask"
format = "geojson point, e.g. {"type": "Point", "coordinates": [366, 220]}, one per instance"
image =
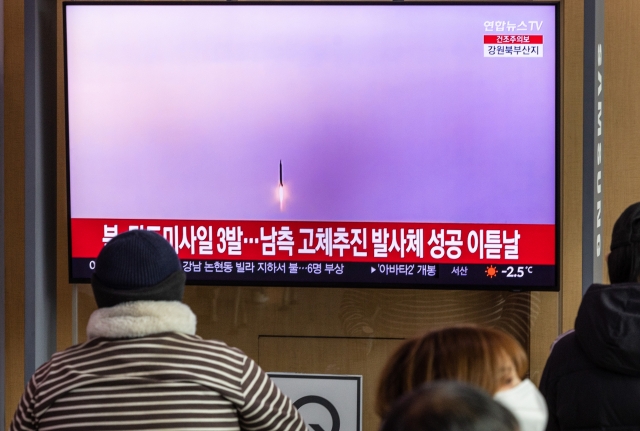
{"type": "Point", "coordinates": [527, 404]}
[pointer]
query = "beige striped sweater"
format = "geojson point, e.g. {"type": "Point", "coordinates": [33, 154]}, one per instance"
{"type": "Point", "coordinates": [145, 369]}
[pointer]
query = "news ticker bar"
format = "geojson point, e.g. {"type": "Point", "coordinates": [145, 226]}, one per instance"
{"type": "Point", "coordinates": [356, 273]}
{"type": "Point", "coordinates": [291, 241]}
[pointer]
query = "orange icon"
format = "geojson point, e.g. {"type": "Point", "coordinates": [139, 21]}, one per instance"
{"type": "Point", "coordinates": [491, 271]}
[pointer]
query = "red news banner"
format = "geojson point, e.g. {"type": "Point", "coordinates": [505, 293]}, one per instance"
{"type": "Point", "coordinates": [332, 241]}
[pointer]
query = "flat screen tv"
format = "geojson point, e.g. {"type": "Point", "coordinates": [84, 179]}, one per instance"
{"type": "Point", "coordinates": [386, 144]}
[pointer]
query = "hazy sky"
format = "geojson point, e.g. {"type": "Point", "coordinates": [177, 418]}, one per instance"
{"type": "Point", "coordinates": [378, 113]}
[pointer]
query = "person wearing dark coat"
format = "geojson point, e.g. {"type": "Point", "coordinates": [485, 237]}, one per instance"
{"type": "Point", "coordinates": [592, 378]}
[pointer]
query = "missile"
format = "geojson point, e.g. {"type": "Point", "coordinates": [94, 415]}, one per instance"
{"type": "Point", "coordinates": [281, 188]}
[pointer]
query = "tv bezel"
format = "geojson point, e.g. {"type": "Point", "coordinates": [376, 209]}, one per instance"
{"type": "Point", "coordinates": [380, 3]}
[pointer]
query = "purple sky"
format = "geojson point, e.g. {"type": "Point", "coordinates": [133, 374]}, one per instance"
{"type": "Point", "coordinates": [378, 113]}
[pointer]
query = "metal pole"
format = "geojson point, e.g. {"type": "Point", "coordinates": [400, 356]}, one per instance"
{"type": "Point", "coordinates": [593, 163]}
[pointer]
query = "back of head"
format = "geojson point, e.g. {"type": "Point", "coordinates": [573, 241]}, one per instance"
{"type": "Point", "coordinates": [466, 353]}
{"type": "Point", "coordinates": [448, 406]}
{"type": "Point", "coordinates": [624, 260]}
{"type": "Point", "coordinates": [137, 265]}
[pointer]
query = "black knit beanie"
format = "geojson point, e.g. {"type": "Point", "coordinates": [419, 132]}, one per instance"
{"type": "Point", "coordinates": [137, 265]}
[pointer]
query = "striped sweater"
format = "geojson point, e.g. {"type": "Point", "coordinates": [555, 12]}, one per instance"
{"type": "Point", "coordinates": [144, 369]}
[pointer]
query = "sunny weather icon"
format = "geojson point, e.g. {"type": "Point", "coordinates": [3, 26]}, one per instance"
{"type": "Point", "coordinates": [491, 271]}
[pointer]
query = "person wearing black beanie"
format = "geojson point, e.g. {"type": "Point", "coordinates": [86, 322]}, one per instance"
{"type": "Point", "coordinates": [592, 377]}
{"type": "Point", "coordinates": [143, 367]}
{"type": "Point", "coordinates": [138, 265]}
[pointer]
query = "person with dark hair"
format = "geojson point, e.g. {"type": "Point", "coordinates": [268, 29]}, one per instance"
{"type": "Point", "coordinates": [486, 358]}
{"type": "Point", "coordinates": [448, 406]}
{"type": "Point", "coordinates": [143, 367]}
{"type": "Point", "coordinates": [592, 377]}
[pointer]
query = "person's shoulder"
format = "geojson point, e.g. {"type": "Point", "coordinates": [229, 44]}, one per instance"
{"type": "Point", "coordinates": [563, 351]}
{"type": "Point", "coordinates": [59, 359]}
{"type": "Point", "coordinates": [212, 347]}
{"type": "Point", "coordinates": [564, 340]}
{"type": "Point", "coordinates": [75, 350]}
{"type": "Point", "coordinates": [567, 356]}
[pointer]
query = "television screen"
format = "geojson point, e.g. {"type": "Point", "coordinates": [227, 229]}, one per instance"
{"type": "Point", "coordinates": [321, 144]}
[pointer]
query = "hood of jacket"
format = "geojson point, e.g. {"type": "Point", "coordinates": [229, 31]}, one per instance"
{"type": "Point", "coordinates": [608, 327]}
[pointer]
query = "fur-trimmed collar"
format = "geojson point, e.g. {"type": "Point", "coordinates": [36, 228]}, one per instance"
{"type": "Point", "coordinates": [141, 318]}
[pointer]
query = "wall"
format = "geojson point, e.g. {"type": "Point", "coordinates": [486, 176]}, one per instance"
{"type": "Point", "coordinates": [14, 202]}
{"type": "Point", "coordinates": [621, 111]}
